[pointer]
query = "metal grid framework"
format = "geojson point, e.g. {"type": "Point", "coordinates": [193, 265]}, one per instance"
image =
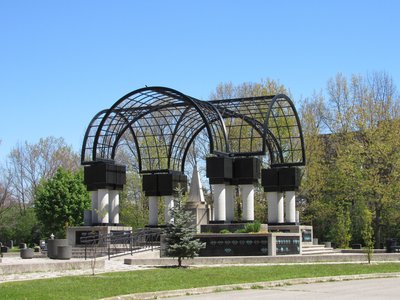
{"type": "Point", "coordinates": [163, 124]}
{"type": "Point", "coordinates": [258, 125]}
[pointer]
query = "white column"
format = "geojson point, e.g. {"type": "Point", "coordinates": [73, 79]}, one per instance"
{"type": "Point", "coordinates": [169, 204]}
{"type": "Point", "coordinates": [272, 199]}
{"type": "Point", "coordinates": [103, 206]}
{"type": "Point", "coordinates": [290, 207]}
{"type": "Point", "coordinates": [153, 210]}
{"type": "Point", "coordinates": [219, 202]}
{"type": "Point", "coordinates": [94, 207]}
{"type": "Point", "coordinates": [114, 206]}
{"type": "Point", "coordinates": [280, 206]}
{"type": "Point", "coordinates": [230, 202]}
{"type": "Point", "coordinates": [247, 193]}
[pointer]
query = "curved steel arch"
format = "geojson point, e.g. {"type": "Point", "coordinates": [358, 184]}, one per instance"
{"type": "Point", "coordinates": [164, 122]}
{"type": "Point", "coordinates": [264, 123]}
{"type": "Point", "coordinates": [161, 121]}
{"type": "Point", "coordinates": [286, 127]}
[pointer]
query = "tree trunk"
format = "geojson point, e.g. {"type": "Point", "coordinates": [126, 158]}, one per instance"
{"type": "Point", "coordinates": [179, 262]}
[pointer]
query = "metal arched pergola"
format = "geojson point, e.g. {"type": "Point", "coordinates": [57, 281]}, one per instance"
{"type": "Point", "coordinates": [164, 122]}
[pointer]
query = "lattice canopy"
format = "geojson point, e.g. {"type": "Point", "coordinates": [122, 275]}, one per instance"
{"type": "Point", "coordinates": [164, 122]}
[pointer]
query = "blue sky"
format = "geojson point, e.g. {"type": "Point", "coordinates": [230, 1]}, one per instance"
{"type": "Point", "coordinates": [63, 61]}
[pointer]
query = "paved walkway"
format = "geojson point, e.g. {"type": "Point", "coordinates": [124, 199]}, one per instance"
{"type": "Point", "coordinates": [368, 289]}
{"type": "Point", "coordinates": [116, 264]}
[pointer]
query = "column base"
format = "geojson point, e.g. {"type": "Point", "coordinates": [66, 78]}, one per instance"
{"type": "Point", "coordinates": [218, 222]}
{"type": "Point", "coordinates": [106, 224]}
{"type": "Point", "coordinates": [155, 226]}
{"type": "Point", "coordinates": [242, 221]}
{"type": "Point", "coordinates": [282, 224]}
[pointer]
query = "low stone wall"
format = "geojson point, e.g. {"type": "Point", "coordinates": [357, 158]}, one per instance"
{"type": "Point", "coordinates": [264, 259]}
{"type": "Point", "coordinates": [47, 265]}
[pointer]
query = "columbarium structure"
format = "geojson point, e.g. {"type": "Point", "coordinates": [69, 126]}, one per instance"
{"type": "Point", "coordinates": [249, 139]}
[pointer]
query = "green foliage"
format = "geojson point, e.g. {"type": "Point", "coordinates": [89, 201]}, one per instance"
{"type": "Point", "coordinates": [224, 231]}
{"type": "Point", "coordinates": [20, 228]}
{"type": "Point", "coordinates": [260, 204]}
{"type": "Point", "coordinates": [252, 227]}
{"type": "Point", "coordinates": [133, 203]}
{"type": "Point", "coordinates": [356, 165]}
{"type": "Point", "coordinates": [341, 228]}
{"type": "Point", "coordinates": [367, 233]}
{"type": "Point", "coordinates": [180, 235]}
{"type": "Point", "coordinates": [60, 202]}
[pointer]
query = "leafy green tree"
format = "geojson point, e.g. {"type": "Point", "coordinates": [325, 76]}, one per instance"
{"type": "Point", "coordinates": [367, 233]}
{"type": "Point", "coordinates": [133, 203]}
{"type": "Point", "coordinates": [20, 229]}
{"type": "Point", "coordinates": [314, 203]}
{"type": "Point", "coordinates": [352, 141]}
{"type": "Point", "coordinates": [341, 229]}
{"type": "Point", "coordinates": [60, 202]}
{"type": "Point", "coordinates": [180, 235]}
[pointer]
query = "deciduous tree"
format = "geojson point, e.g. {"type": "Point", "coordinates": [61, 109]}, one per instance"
{"type": "Point", "coordinates": [60, 201]}
{"type": "Point", "coordinates": [28, 164]}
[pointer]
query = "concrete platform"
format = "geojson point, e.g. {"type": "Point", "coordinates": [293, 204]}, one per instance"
{"type": "Point", "coordinates": [262, 259]}
{"type": "Point", "coordinates": [16, 265]}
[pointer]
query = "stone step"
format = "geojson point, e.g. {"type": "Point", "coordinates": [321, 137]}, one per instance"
{"type": "Point", "coordinates": [312, 246]}
{"type": "Point", "coordinates": [322, 252]}
{"type": "Point", "coordinates": [315, 248]}
{"type": "Point", "coordinates": [309, 249]}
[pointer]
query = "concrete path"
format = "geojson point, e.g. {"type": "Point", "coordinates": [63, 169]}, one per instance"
{"type": "Point", "coordinates": [116, 264]}
{"type": "Point", "coordinates": [368, 289]}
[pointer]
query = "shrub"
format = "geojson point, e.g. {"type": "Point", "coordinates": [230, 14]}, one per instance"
{"type": "Point", "coordinates": [253, 227]}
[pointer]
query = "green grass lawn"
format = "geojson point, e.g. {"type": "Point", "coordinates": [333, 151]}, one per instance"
{"type": "Point", "coordinates": [112, 284]}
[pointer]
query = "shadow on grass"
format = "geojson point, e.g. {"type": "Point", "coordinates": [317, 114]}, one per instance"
{"type": "Point", "coordinates": [172, 267]}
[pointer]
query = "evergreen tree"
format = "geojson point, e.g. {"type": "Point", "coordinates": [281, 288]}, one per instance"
{"type": "Point", "coordinates": [180, 235]}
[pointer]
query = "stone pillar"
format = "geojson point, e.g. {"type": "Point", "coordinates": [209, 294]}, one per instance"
{"type": "Point", "coordinates": [247, 193]}
{"type": "Point", "coordinates": [290, 207]}
{"type": "Point", "coordinates": [114, 206]}
{"type": "Point", "coordinates": [103, 206]}
{"type": "Point", "coordinates": [94, 207]}
{"type": "Point", "coordinates": [280, 206]}
{"type": "Point", "coordinates": [272, 199]}
{"type": "Point", "coordinates": [153, 210]}
{"type": "Point", "coordinates": [230, 202]}
{"type": "Point", "coordinates": [169, 204]}
{"type": "Point", "coordinates": [219, 202]}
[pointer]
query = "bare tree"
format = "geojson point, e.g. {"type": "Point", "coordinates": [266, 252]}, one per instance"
{"type": "Point", "coordinates": [27, 164]}
{"type": "Point", "coordinates": [5, 195]}
{"type": "Point", "coordinates": [361, 102]}
{"type": "Point", "coordinates": [248, 89]}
